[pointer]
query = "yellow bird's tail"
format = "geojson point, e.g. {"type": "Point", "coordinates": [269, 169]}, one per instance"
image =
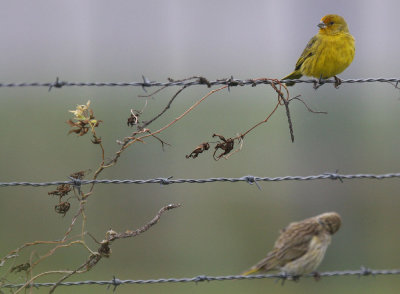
{"type": "Point", "coordinates": [293, 76]}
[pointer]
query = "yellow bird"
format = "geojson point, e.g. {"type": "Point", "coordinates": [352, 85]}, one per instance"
{"type": "Point", "coordinates": [328, 53]}
{"type": "Point", "coordinates": [301, 246]}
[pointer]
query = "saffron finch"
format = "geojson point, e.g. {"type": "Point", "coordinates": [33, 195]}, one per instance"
{"type": "Point", "coordinates": [301, 246]}
{"type": "Point", "coordinates": [328, 53]}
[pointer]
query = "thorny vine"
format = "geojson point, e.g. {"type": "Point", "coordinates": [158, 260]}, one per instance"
{"type": "Point", "coordinates": [85, 122]}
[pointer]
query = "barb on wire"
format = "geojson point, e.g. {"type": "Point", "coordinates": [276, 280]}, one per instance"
{"type": "Point", "coordinates": [363, 271]}
{"type": "Point", "coordinates": [169, 180]}
{"type": "Point", "coordinates": [146, 83]}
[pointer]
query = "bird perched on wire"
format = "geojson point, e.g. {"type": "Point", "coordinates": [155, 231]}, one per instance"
{"type": "Point", "coordinates": [328, 53]}
{"type": "Point", "coordinates": [301, 246]}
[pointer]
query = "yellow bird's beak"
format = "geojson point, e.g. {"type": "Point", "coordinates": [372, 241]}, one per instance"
{"type": "Point", "coordinates": [321, 25]}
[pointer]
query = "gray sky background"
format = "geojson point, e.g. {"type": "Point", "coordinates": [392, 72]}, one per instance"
{"type": "Point", "coordinates": [101, 40]}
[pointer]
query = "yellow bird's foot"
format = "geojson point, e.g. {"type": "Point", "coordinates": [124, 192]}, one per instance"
{"type": "Point", "coordinates": [318, 83]}
{"type": "Point", "coordinates": [338, 82]}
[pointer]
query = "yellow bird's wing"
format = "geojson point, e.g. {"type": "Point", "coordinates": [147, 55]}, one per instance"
{"type": "Point", "coordinates": [307, 53]}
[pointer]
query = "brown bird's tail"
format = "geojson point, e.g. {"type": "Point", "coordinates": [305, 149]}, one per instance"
{"type": "Point", "coordinates": [293, 76]}
{"type": "Point", "coordinates": [251, 271]}
{"type": "Point", "coordinates": [267, 264]}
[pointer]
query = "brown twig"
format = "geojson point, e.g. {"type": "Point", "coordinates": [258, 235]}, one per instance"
{"type": "Point", "coordinates": [26, 285]}
{"type": "Point", "coordinates": [202, 80]}
{"type": "Point", "coordinates": [261, 122]}
{"type": "Point", "coordinates": [305, 104]}
{"type": "Point", "coordinates": [228, 144]}
{"type": "Point", "coordinates": [128, 234]}
{"type": "Point", "coordinates": [141, 129]}
{"type": "Point", "coordinates": [285, 100]}
{"type": "Point", "coordinates": [89, 123]}
{"type": "Point", "coordinates": [105, 250]}
{"type": "Point", "coordinates": [289, 120]}
{"type": "Point", "coordinates": [133, 139]}
{"type": "Point", "coordinates": [282, 100]}
{"type": "Point", "coordinates": [145, 124]}
{"type": "Point", "coordinates": [58, 243]}
{"type": "Point", "coordinates": [53, 288]}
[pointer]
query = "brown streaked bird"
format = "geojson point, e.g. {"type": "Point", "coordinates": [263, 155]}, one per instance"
{"type": "Point", "coordinates": [301, 246]}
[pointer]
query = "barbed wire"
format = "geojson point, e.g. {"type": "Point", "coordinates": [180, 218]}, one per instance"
{"type": "Point", "coordinates": [197, 80]}
{"type": "Point", "coordinates": [363, 271]}
{"type": "Point", "coordinates": [249, 179]}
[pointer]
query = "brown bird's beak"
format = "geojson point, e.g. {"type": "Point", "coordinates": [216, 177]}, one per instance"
{"type": "Point", "coordinates": [321, 25]}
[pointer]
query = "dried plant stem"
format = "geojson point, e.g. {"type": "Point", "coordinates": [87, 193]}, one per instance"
{"type": "Point", "coordinates": [261, 122]}
{"type": "Point", "coordinates": [26, 285]}
{"type": "Point", "coordinates": [165, 109]}
{"type": "Point", "coordinates": [156, 218]}
{"type": "Point", "coordinates": [176, 119]}
{"type": "Point", "coordinates": [131, 140]}
{"type": "Point", "coordinates": [68, 274]}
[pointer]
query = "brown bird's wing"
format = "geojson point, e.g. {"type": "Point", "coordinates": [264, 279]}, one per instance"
{"type": "Point", "coordinates": [291, 245]}
{"type": "Point", "coordinates": [295, 239]}
{"type": "Point", "coordinates": [266, 264]}
{"type": "Point", "coordinates": [307, 52]}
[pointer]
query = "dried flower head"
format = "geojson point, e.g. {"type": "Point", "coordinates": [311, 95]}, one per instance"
{"type": "Point", "coordinates": [84, 120]}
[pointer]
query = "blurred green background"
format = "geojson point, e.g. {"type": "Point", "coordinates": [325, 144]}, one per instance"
{"type": "Point", "coordinates": [222, 228]}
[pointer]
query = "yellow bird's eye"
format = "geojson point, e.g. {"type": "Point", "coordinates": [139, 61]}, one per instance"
{"type": "Point", "coordinates": [331, 23]}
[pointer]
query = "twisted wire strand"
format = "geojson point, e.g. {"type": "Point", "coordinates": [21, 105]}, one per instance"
{"type": "Point", "coordinates": [249, 179]}
{"type": "Point", "coordinates": [363, 271]}
{"type": "Point", "coordinates": [189, 82]}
